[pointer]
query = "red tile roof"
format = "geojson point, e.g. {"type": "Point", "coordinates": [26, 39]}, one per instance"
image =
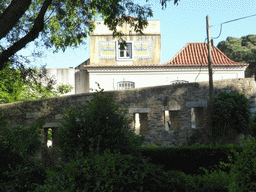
{"type": "Point", "coordinates": [191, 55]}
{"type": "Point", "coordinates": [196, 54]}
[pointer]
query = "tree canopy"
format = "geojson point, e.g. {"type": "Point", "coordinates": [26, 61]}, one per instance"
{"type": "Point", "coordinates": [240, 49]}
{"type": "Point", "coordinates": [17, 85]}
{"type": "Point", "coordinates": [62, 23]}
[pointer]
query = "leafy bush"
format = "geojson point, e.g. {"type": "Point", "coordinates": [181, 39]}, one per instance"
{"type": "Point", "coordinates": [253, 125]}
{"type": "Point", "coordinates": [179, 181]}
{"type": "Point", "coordinates": [25, 177]}
{"type": "Point", "coordinates": [19, 144]}
{"type": "Point", "coordinates": [230, 116]}
{"type": "Point", "coordinates": [102, 124]}
{"type": "Point", "coordinates": [243, 171]}
{"type": "Point", "coordinates": [242, 168]}
{"type": "Point", "coordinates": [17, 147]}
{"type": "Point", "coordinates": [104, 172]}
{"type": "Point", "coordinates": [18, 85]}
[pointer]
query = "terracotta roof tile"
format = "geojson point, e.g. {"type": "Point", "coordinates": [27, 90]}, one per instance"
{"type": "Point", "coordinates": [191, 55]}
{"type": "Point", "coordinates": [196, 54]}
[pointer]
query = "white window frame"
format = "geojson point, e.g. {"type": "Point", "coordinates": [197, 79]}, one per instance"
{"type": "Point", "coordinates": [118, 52]}
{"type": "Point", "coordinates": [123, 83]}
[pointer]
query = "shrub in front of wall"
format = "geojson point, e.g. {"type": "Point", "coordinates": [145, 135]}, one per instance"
{"type": "Point", "coordinates": [230, 116]}
{"type": "Point", "coordinates": [50, 156]}
{"type": "Point", "coordinates": [102, 124]}
{"type": "Point", "coordinates": [243, 170]}
{"type": "Point", "coordinates": [105, 172]}
{"type": "Point", "coordinates": [253, 125]}
{"type": "Point", "coordinates": [215, 181]}
{"type": "Point", "coordinates": [24, 177]}
{"type": "Point", "coordinates": [19, 144]}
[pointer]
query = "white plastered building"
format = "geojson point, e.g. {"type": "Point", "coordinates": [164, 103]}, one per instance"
{"type": "Point", "coordinates": [138, 64]}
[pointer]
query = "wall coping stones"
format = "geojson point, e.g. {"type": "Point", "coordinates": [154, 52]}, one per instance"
{"type": "Point", "coordinates": [139, 110]}
{"type": "Point", "coordinates": [59, 116]}
{"type": "Point", "coordinates": [33, 115]}
{"type": "Point", "coordinates": [171, 108]}
{"type": "Point", "coordinates": [52, 125]}
{"type": "Point", "coordinates": [192, 104]}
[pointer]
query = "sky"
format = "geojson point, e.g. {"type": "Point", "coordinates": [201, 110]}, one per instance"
{"type": "Point", "coordinates": [180, 24]}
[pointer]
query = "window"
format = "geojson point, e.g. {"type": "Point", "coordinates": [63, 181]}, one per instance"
{"type": "Point", "coordinates": [178, 82]}
{"type": "Point", "coordinates": [125, 85]}
{"type": "Point", "coordinates": [48, 136]}
{"type": "Point", "coordinates": [141, 123]}
{"type": "Point", "coordinates": [197, 117]}
{"type": "Point", "coordinates": [125, 52]}
{"type": "Point", "coordinates": [172, 120]}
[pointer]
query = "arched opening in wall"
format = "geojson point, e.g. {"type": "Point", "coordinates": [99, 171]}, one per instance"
{"type": "Point", "coordinates": [172, 120]}
{"type": "Point", "coordinates": [197, 117]}
{"type": "Point", "coordinates": [49, 141]}
{"type": "Point", "coordinates": [50, 136]}
{"type": "Point", "coordinates": [141, 123]}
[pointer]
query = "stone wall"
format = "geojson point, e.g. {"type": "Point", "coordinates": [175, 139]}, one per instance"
{"type": "Point", "coordinates": [150, 104]}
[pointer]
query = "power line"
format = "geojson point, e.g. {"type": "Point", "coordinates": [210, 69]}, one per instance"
{"type": "Point", "coordinates": [230, 22]}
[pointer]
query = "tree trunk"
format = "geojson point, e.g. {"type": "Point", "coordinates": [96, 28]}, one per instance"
{"type": "Point", "coordinates": [31, 36]}
{"type": "Point", "coordinates": [11, 15]}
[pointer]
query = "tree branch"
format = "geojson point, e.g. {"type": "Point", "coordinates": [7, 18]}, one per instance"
{"type": "Point", "coordinates": [31, 36]}
{"type": "Point", "coordinates": [11, 15]}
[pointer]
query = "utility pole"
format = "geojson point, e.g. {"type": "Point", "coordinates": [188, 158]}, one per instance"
{"type": "Point", "coordinates": [209, 61]}
{"type": "Point", "coordinates": [210, 79]}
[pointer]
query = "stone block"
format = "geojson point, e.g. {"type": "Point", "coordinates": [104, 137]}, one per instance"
{"type": "Point", "coordinates": [139, 110]}
{"type": "Point", "coordinates": [192, 104]}
{"type": "Point", "coordinates": [59, 116]}
{"type": "Point", "coordinates": [52, 125]}
{"type": "Point", "coordinates": [171, 108]}
{"type": "Point", "coordinates": [34, 115]}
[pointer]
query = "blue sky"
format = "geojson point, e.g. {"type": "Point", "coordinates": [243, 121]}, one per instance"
{"type": "Point", "coordinates": [180, 24]}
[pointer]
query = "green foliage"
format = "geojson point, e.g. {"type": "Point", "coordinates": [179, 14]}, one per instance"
{"type": "Point", "coordinates": [66, 23]}
{"type": "Point", "coordinates": [215, 181]}
{"type": "Point", "coordinates": [11, 85]}
{"type": "Point", "coordinates": [49, 134]}
{"type": "Point", "coordinates": [230, 115]}
{"type": "Point", "coordinates": [106, 172]}
{"type": "Point", "coordinates": [62, 89]}
{"type": "Point", "coordinates": [25, 177]}
{"type": "Point", "coordinates": [240, 49]}
{"type": "Point", "coordinates": [14, 87]}
{"type": "Point", "coordinates": [253, 125]}
{"type": "Point", "coordinates": [102, 124]}
{"type": "Point", "coordinates": [18, 146]}
{"type": "Point", "coordinates": [243, 172]}
{"type": "Point", "coordinates": [243, 167]}
{"type": "Point", "coordinates": [21, 140]}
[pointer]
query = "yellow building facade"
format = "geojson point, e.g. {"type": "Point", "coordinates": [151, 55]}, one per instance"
{"type": "Point", "coordinates": [140, 49]}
